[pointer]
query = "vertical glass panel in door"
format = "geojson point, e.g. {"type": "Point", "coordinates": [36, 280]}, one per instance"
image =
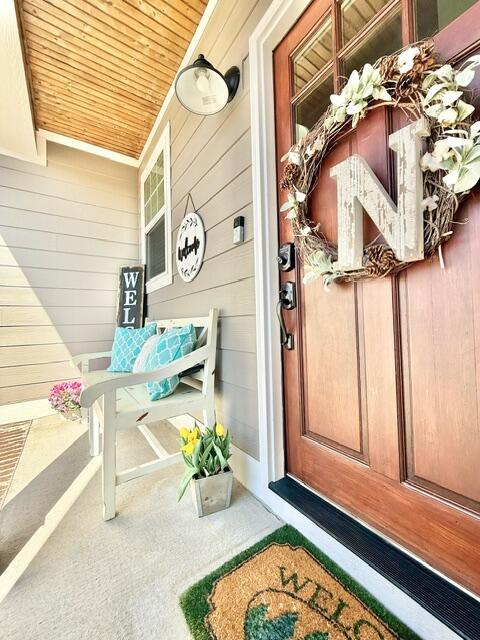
{"type": "Point", "coordinates": [385, 38]}
{"type": "Point", "coordinates": [156, 245]}
{"type": "Point", "coordinates": [313, 56]}
{"type": "Point", "coordinates": [434, 15]}
{"type": "Point", "coordinates": [356, 14]}
{"type": "Point", "coordinates": [308, 110]}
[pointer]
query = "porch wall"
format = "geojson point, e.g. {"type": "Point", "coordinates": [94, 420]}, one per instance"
{"type": "Point", "coordinates": [211, 159]}
{"type": "Point", "coordinates": [64, 231]}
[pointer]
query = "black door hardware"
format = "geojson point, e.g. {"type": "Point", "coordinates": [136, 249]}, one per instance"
{"type": "Point", "coordinates": [288, 301]}
{"type": "Point", "coordinates": [286, 256]}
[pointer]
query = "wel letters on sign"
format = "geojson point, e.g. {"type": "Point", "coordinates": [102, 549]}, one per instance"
{"type": "Point", "coordinates": [130, 297]}
{"type": "Point", "coordinates": [359, 189]}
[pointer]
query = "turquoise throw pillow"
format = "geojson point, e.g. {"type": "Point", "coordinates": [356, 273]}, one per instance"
{"type": "Point", "coordinates": [173, 344]}
{"type": "Point", "coordinates": [127, 344]}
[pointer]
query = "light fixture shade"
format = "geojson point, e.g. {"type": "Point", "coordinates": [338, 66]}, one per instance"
{"type": "Point", "coordinates": [203, 90]}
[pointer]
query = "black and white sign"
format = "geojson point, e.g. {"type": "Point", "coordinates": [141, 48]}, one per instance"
{"type": "Point", "coordinates": [130, 297]}
{"type": "Point", "coordinates": [190, 246]}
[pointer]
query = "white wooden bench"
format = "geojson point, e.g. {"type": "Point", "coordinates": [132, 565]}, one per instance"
{"type": "Point", "coordinates": [121, 401]}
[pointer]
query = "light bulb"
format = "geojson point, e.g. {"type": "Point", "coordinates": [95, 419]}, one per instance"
{"type": "Point", "coordinates": [203, 80]}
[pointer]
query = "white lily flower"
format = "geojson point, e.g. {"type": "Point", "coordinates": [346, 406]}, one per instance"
{"type": "Point", "coordinates": [451, 178]}
{"type": "Point", "coordinates": [448, 117]}
{"type": "Point", "coordinates": [430, 203]}
{"type": "Point", "coordinates": [406, 58]}
{"type": "Point", "coordinates": [291, 215]}
{"type": "Point", "coordinates": [429, 162]}
{"type": "Point", "coordinates": [441, 150]}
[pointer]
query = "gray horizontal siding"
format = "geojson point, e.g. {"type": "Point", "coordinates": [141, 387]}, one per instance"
{"type": "Point", "coordinates": [64, 231]}
{"type": "Point", "coordinates": [211, 159]}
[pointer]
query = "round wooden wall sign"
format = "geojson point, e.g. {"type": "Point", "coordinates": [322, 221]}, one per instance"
{"type": "Point", "coordinates": [190, 246]}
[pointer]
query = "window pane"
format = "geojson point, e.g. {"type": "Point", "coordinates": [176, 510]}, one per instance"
{"type": "Point", "coordinates": [434, 15]}
{"type": "Point", "coordinates": [384, 39]}
{"type": "Point", "coordinates": [316, 53]}
{"type": "Point", "coordinates": [154, 190]}
{"type": "Point", "coordinates": [155, 242]}
{"type": "Point", "coordinates": [356, 14]}
{"type": "Point", "coordinates": [308, 110]}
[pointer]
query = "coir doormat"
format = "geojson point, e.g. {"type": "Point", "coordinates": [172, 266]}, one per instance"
{"type": "Point", "coordinates": [284, 588]}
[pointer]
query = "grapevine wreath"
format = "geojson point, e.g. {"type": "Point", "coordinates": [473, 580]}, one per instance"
{"type": "Point", "coordinates": [413, 81]}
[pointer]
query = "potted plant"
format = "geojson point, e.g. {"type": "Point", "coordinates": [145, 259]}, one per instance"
{"type": "Point", "coordinates": [207, 471]}
{"type": "Point", "coordinates": [65, 398]}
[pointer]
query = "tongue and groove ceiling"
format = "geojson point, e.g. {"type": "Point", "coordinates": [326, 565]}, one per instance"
{"type": "Point", "coordinates": [99, 70]}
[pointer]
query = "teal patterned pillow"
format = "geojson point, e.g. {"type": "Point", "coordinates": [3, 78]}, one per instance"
{"type": "Point", "coordinates": [173, 344]}
{"type": "Point", "coordinates": [127, 344]}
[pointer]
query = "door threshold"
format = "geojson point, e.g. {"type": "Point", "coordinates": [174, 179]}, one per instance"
{"type": "Point", "coordinates": [440, 597]}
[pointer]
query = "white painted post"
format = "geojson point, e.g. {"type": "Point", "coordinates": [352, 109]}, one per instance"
{"type": "Point", "coordinates": [109, 464]}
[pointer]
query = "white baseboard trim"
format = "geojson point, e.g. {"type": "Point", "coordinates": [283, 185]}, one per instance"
{"type": "Point", "coordinates": [53, 518]}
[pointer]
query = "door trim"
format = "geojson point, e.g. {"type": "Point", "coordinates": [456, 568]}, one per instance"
{"type": "Point", "coordinates": [277, 21]}
{"type": "Point", "coordinates": [275, 24]}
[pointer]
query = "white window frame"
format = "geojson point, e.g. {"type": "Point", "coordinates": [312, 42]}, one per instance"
{"type": "Point", "coordinates": [166, 278]}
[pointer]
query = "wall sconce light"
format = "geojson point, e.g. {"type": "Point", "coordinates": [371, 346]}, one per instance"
{"type": "Point", "coordinates": [203, 90]}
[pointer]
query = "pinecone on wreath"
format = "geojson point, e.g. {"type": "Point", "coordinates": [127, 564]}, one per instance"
{"type": "Point", "coordinates": [380, 261]}
{"type": "Point", "coordinates": [290, 174]}
{"type": "Point", "coordinates": [424, 60]}
{"type": "Point", "coordinates": [388, 68]}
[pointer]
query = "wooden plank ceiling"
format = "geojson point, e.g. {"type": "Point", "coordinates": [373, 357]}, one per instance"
{"type": "Point", "coordinates": [100, 69]}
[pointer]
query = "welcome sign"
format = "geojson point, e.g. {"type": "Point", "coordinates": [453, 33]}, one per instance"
{"type": "Point", "coordinates": [130, 296]}
{"type": "Point", "coordinates": [190, 246]}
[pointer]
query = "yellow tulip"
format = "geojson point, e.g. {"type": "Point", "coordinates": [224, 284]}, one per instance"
{"type": "Point", "coordinates": [192, 436]}
{"type": "Point", "coordinates": [184, 433]}
{"type": "Point", "coordinates": [220, 430]}
{"type": "Point", "coordinates": [188, 448]}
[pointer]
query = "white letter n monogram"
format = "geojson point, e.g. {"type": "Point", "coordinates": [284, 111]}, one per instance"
{"type": "Point", "coordinates": [358, 188]}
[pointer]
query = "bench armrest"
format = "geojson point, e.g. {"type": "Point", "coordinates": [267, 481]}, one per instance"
{"type": "Point", "coordinates": [84, 358]}
{"type": "Point", "coordinates": [94, 391]}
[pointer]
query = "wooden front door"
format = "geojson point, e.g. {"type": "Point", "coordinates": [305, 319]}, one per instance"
{"type": "Point", "coordinates": [382, 387]}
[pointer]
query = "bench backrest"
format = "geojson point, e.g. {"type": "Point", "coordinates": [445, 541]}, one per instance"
{"type": "Point", "coordinates": [207, 329]}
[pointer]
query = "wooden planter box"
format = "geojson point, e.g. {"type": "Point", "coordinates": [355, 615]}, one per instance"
{"type": "Point", "coordinates": [212, 494]}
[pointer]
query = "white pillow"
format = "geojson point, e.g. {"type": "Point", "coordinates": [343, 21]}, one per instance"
{"type": "Point", "coordinates": [142, 357]}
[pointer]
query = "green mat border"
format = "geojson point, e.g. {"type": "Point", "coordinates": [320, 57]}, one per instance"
{"type": "Point", "coordinates": [194, 601]}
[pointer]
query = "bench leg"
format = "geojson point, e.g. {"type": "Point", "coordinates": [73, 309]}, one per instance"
{"type": "Point", "coordinates": [94, 432]}
{"type": "Point", "coordinates": [109, 459]}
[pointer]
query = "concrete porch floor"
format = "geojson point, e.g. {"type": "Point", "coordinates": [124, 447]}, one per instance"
{"type": "Point", "coordinates": [122, 579]}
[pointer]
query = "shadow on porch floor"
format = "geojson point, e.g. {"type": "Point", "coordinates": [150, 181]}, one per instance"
{"type": "Point", "coordinates": [122, 579]}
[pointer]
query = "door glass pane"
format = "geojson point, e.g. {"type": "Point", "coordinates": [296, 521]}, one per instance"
{"type": "Point", "coordinates": [384, 39]}
{"type": "Point", "coordinates": [434, 15]}
{"type": "Point", "coordinates": [308, 110]}
{"type": "Point", "coordinates": [356, 14]}
{"type": "Point", "coordinates": [313, 56]}
{"type": "Point", "coordinates": [155, 242]}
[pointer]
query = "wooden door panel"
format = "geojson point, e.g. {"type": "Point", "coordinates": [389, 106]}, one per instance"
{"type": "Point", "coordinates": [382, 389]}
{"type": "Point", "coordinates": [433, 530]}
{"type": "Point", "coordinates": [441, 341]}
{"type": "Point", "coordinates": [333, 367]}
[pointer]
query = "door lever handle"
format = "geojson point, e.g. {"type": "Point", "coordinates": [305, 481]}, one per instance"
{"type": "Point", "coordinates": [286, 339]}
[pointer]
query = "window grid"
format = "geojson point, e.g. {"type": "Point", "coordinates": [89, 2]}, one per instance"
{"type": "Point", "coordinates": [156, 215]}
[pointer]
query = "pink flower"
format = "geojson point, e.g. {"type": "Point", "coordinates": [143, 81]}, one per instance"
{"type": "Point", "coordinates": [65, 396]}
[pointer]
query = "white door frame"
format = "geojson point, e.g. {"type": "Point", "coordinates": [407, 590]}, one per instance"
{"type": "Point", "coordinates": [275, 24]}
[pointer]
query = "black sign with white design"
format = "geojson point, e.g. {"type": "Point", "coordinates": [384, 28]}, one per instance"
{"type": "Point", "coordinates": [130, 297]}
{"type": "Point", "coordinates": [190, 246]}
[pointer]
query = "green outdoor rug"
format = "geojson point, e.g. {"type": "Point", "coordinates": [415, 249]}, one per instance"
{"type": "Point", "coordinates": [284, 588]}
